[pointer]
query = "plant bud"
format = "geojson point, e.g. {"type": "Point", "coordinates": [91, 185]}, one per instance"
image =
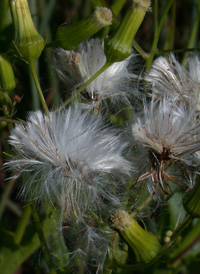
{"type": "Point", "coordinates": [144, 244]}
{"type": "Point", "coordinates": [119, 46]}
{"type": "Point", "coordinates": [70, 36]}
{"type": "Point", "coordinates": [28, 42]}
{"type": "Point", "coordinates": [7, 78]}
{"type": "Point", "coordinates": [191, 200]}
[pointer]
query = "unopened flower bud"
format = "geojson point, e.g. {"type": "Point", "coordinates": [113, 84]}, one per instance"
{"type": "Point", "coordinates": [28, 42]}
{"type": "Point", "coordinates": [70, 36]}
{"type": "Point", "coordinates": [191, 200]}
{"type": "Point", "coordinates": [144, 244]}
{"type": "Point", "coordinates": [7, 78]}
{"type": "Point", "coordinates": [119, 46]}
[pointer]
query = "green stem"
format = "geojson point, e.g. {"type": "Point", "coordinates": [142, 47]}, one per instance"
{"type": "Point", "coordinates": [117, 6]}
{"type": "Point", "coordinates": [157, 30]}
{"type": "Point", "coordinates": [42, 239]}
{"type": "Point", "coordinates": [34, 94]}
{"type": "Point", "coordinates": [79, 90]}
{"type": "Point", "coordinates": [144, 54]}
{"type": "Point", "coordinates": [22, 224]}
{"type": "Point", "coordinates": [139, 209]}
{"type": "Point", "coordinates": [96, 3]}
{"type": "Point", "coordinates": [188, 219]}
{"type": "Point", "coordinates": [187, 243]}
{"type": "Point", "coordinates": [9, 120]}
{"type": "Point", "coordinates": [194, 32]}
{"type": "Point", "coordinates": [14, 207]}
{"type": "Point", "coordinates": [170, 35]}
{"type": "Point", "coordinates": [159, 52]}
{"type": "Point", "coordinates": [5, 196]}
{"type": "Point", "coordinates": [3, 7]}
{"type": "Point", "coordinates": [33, 5]}
{"type": "Point", "coordinates": [49, 9]}
{"type": "Point", "coordinates": [37, 84]}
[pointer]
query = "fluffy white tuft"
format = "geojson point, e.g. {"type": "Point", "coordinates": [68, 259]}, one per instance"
{"type": "Point", "coordinates": [168, 77]}
{"type": "Point", "coordinates": [165, 134]}
{"type": "Point", "coordinates": [75, 68]}
{"type": "Point", "coordinates": [69, 157]}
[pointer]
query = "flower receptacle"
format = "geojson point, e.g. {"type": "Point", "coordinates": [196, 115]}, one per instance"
{"type": "Point", "coordinates": [28, 43]}
{"type": "Point", "coordinates": [70, 36]}
{"type": "Point", "coordinates": [144, 244]}
{"type": "Point", "coordinates": [119, 46]}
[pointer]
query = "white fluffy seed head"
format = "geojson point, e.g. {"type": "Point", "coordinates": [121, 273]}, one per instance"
{"type": "Point", "coordinates": [166, 125]}
{"type": "Point", "coordinates": [68, 156]}
{"type": "Point", "coordinates": [165, 137]}
{"type": "Point", "coordinates": [168, 78]}
{"type": "Point", "coordinates": [75, 68]}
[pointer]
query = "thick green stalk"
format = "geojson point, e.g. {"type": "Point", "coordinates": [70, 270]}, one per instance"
{"type": "Point", "coordinates": [79, 90]}
{"type": "Point", "coordinates": [22, 224]}
{"type": "Point", "coordinates": [157, 31]}
{"type": "Point", "coordinates": [117, 6]}
{"type": "Point", "coordinates": [42, 239]}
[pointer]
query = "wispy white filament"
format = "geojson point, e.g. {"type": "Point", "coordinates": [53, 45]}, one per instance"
{"type": "Point", "coordinates": [166, 125]}
{"type": "Point", "coordinates": [168, 77]}
{"type": "Point", "coordinates": [165, 134]}
{"type": "Point", "coordinates": [75, 68]}
{"type": "Point", "coordinates": [67, 156]}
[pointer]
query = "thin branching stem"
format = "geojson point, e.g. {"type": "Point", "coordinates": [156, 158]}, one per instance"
{"type": "Point", "coordinates": [79, 90]}
{"type": "Point", "coordinates": [157, 31]}
{"type": "Point", "coordinates": [37, 84]}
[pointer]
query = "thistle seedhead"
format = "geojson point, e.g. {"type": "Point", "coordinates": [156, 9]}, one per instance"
{"type": "Point", "coordinates": [115, 83]}
{"type": "Point", "coordinates": [166, 134]}
{"type": "Point", "coordinates": [168, 77]}
{"type": "Point", "coordinates": [68, 156]}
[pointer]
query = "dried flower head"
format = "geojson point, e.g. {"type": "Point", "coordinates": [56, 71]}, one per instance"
{"type": "Point", "coordinates": [167, 135]}
{"type": "Point", "coordinates": [168, 77]}
{"type": "Point", "coordinates": [67, 156]}
{"type": "Point", "coordinates": [76, 67]}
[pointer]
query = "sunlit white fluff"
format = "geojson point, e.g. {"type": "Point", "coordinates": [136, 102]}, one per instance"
{"type": "Point", "coordinates": [164, 135]}
{"type": "Point", "coordinates": [76, 67]}
{"type": "Point", "coordinates": [168, 77]}
{"type": "Point", "coordinates": [67, 156]}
